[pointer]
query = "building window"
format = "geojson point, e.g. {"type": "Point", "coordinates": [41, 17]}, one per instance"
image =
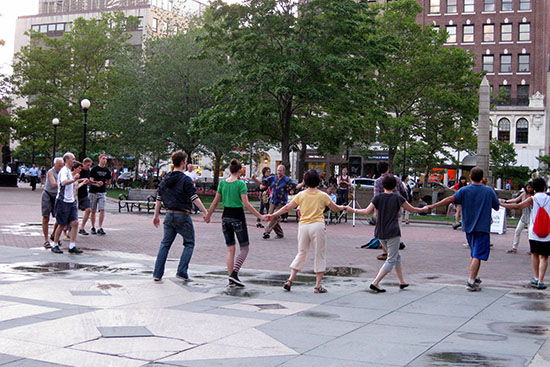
{"type": "Point", "coordinates": [506, 32]}
{"type": "Point", "coordinates": [469, 6]}
{"type": "Point", "coordinates": [489, 5]}
{"type": "Point", "coordinates": [60, 27]}
{"type": "Point", "coordinates": [524, 4]}
{"type": "Point", "coordinates": [155, 24]}
{"type": "Point", "coordinates": [467, 33]}
{"type": "Point", "coordinates": [505, 95]}
{"type": "Point", "coordinates": [506, 5]}
{"type": "Point", "coordinates": [488, 33]}
{"type": "Point", "coordinates": [452, 6]}
{"type": "Point", "coordinates": [43, 28]}
{"type": "Point", "coordinates": [435, 7]}
{"type": "Point", "coordinates": [488, 63]}
{"type": "Point", "coordinates": [504, 130]}
{"type": "Point", "coordinates": [435, 28]}
{"type": "Point", "coordinates": [523, 95]}
{"type": "Point", "coordinates": [524, 32]}
{"type": "Point", "coordinates": [523, 63]}
{"type": "Point", "coordinates": [451, 30]}
{"type": "Point", "coordinates": [505, 63]}
{"type": "Point", "coordinates": [35, 28]}
{"type": "Point", "coordinates": [522, 131]}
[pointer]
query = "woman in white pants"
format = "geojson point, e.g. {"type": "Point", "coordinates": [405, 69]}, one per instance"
{"type": "Point", "coordinates": [311, 229]}
{"type": "Point", "coordinates": [525, 215]}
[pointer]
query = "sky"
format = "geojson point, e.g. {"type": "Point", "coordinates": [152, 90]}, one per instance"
{"type": "Point", "coordinates": [10, 10]}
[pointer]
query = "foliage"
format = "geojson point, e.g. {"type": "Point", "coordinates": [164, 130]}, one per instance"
{"type": "Point", "coordinates": [502, 157]}
{"type": "Point", "coordinates": [545, 160]}
{"type": "Point", "coordinates": [54, 74]}
{"type": "Point", "coordinates": [429, 91]}
{"type": "Point", "coordinates": [289, 58]}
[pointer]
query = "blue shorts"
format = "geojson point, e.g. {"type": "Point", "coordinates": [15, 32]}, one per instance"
{"type": "Point", "coordinates": [480, 245]}
{"type": "Point", "coordinates": [65, 213]}
{"type": "Point", "coordinates": [235, 227]}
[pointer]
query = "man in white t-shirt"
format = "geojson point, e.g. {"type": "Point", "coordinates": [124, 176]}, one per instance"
{"type": "Point", "coordinates": [195, 178]}
{"type": "Point", "coordinates": [66, 211]}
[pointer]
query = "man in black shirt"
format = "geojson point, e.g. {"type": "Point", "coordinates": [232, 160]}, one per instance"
{"type": "Point", "coordinates": [83, 199]}
{"type": "Point", "coordinates": [100, 177]}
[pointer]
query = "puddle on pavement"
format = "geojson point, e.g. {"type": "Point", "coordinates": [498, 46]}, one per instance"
{"type": "Point", "coordinates": [108, 286]}
{"type": "Point", "coordinates": [342, 271]}
{"type": "Point", "coordinates": [318, 314]}
{"type": "Point", "coordinates": [533, 306]}
{"type": "Point", "coordinates": [538, 329]}
{"type": "Point", "coordinates": [466, 359]}
{"type": "Point", "coordinates": [531, 295]}
{"type": "Point", "coordinates": [60, 267]}
{"type": "Point", "coordinates": [241, 292]}
{"type": "Point", "coordinates": [483, 337]}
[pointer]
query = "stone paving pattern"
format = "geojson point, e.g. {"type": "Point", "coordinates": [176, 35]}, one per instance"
{"type": "Point", "coordinates": [102, 308]}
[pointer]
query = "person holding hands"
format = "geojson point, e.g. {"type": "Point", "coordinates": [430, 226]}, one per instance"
{"type": "Point", "coordinates": [233, 194]}
{"type": "Point", "coordinates": [388, 204]}
{"type": "Point", "coordinates": [311, 228]}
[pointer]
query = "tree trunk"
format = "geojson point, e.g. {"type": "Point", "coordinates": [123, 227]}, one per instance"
{"type": "Point", "coordinates": [391, 157]}
{"type": "Point", "coordinates": [285, 116]}
{"type": "Point", "coordinates": [217, 164]}
{"type": "Point", "coordinates": [301, 164]}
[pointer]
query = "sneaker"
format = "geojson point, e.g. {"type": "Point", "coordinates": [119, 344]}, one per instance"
{"type": "Point", "coordinates": [534, 281]}
{"type": "Point", "coordinates": [156, 279]}
{"type": "Point", "coordinates": [456, 225]}
{"type": "Point", "coordinates": [234, 279]}
{"type": "Point", "coordinates": [260, 225]}
{"type": "Point", "coordinates": [182, 276]}
{"type": "Point", "coordinates": [266, 236]}
{"type": "Point", "coordinates": [101, 232]}
{"type": "Point", "coordinates": [56, 250]}
{"type": "Point", "coordinates": [477, 281]}
{"type": "Point", "coordinates": [473, 287]}
{"type": "Point", "coordinates": [83, 232]}
{"type": "Point", "coordinates": [541, 286]}
{"type": "Point", "coordinates": [93, 231]}
{"type": "Point", "coordinates": [75, 250]}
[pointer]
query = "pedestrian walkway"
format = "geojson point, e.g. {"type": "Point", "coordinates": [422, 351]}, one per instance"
{"type": "Point", "coordinates": [93, 310]}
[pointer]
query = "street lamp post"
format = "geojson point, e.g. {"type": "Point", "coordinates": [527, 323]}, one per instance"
{"type": "Point", "coordinates": [55, 122]}
{"type": "Point", "coordinates": [85, 104]}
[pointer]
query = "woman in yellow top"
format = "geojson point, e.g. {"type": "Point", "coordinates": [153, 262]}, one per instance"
{"type": "Point", "coordinates": [233, 194]}
{"type": "Point", "coordinates": [311, 229]}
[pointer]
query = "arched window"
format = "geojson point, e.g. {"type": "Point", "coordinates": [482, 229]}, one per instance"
{"type": "Point", "coordinates": [504, 130]}
{"type": "Point", "coordinates": [522, 131]}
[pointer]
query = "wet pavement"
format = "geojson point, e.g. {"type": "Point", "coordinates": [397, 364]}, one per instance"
{"type": "Point", "coordinates": [102, 308]}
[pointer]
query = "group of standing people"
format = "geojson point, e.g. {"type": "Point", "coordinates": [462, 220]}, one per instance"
{"type": "Point", "coordinates": [71, 185]}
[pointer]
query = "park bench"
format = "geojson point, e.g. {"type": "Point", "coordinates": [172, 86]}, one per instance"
{"type": "Point", "coordinates": [138, 198]}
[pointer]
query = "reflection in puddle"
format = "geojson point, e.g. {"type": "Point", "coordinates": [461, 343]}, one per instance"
{"type": "Point", "coordinates": [108, 286]}
{"type": "Point", "coordinates": [536, 329]}
{"type": "Point", "coordinates": [240, 292]}
{"type": "Point", "coordinates": [342, 271]}
{"type": "Point", "coordinates": [318, 314]}
{"type": "Point", "coordinates": [54, 268]}
{"type": "Point", "coordinates": [485, 337]}
{"type": "Point", "coordinates": [531, 295]}
{"type": "Point", "coordinates": [467, 359]}
{"type": "Point", "coordinates": [533, 306]}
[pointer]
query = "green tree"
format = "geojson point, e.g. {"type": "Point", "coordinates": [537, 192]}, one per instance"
{"type": "Point", "coordinates": [503, 158]}
{"type": "Point", "coordinates": [54, 74]}
{"type": "Point", "coordinates": [290, 55]}
{"type": "Point", "coordinates": [428, 91]}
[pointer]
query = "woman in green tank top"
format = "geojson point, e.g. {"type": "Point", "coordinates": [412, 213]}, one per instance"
{"type": "Point", "coordinates": [233, 194]}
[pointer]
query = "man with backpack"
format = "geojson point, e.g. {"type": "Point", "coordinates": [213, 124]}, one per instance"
{"type": "Point", "coordinates": [477, 200]}
{"type": "Point", "coordinates": [539, 230]}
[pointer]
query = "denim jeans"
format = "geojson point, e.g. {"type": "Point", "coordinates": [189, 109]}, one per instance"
{"type": "Point", "coordinates": [176, 223]}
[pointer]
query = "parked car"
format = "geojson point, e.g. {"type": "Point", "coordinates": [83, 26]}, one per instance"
{"type": "Point", "coordinates": [366, 182]}
{"type": "Point", "coordinates": [251, 185]}
{"type": "Point", "coordinates": [125, 179]}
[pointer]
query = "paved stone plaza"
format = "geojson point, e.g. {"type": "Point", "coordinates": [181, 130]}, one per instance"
{"type": "Point", "coordinates": [102, 308]}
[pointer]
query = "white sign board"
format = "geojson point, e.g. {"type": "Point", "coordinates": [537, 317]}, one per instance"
{"type": "Point", "coordinates": [498, 223]}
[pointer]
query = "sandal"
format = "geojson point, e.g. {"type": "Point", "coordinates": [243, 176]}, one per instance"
{"type": "Point", "coordinates": [382, 257]}
{"type": "Point", "coordinates": [287, 285]}
{"type": "Point", "coordinates": [319, 289]}
{"type": "Point", "coordinates": [512, 251]}
{"type": "Point", "coordinates": [47, 245]}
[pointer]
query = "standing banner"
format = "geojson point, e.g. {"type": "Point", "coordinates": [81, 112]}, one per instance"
{"type": "Point", "coordinates": [498, 224]}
